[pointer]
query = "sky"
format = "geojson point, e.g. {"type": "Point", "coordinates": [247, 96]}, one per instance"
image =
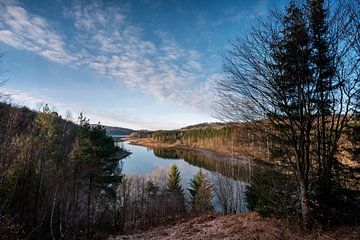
{"type": "Point", "coordinates": [146, 64]}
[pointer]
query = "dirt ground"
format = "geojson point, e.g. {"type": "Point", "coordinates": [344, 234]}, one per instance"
{"type": "Point", "coordinates": [247, 226]}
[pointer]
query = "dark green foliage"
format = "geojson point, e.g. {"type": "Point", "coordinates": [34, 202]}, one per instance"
{"type": "Point", "coordinates": [151, 188]}
{"type": "Point", "coordinates": [291, 55]}
{"type": "Point", "coordinates": [167, 153]}
{"type": "Point", "coordinates": [271, 193]}
{"type": "Point", "coordinates": [200, 193]}
{"type": "Point", "coordinates": [60, 170]}
{"type": "Point", "coordinates": [98, 154]}
{"type": "Point", "coordinates": [194, 135]}
{"type": "Point", "coordinates": [196, 158]}
{"type": "Point", "coordinates": [118, 131]}
{"type": "Point", "coordinates": [176, 200]}
{"type": "Point", "coordinates": [174, 180]}
{"type": "Point", "coordinates": [297, 71]}
{"type": "Point", "coordinates": [166, 136]}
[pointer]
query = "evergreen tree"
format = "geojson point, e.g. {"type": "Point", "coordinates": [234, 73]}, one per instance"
{"type": "Point", "coordinates": [47, 140]}
{"type": "Point", "coordinates": [293, 96]}
{"type": "Point", "coordinates": [98, 162]}
{"type": "Point", "coordinates": [296, 77]}
{"type": "Point", "coordinates": [175, 192]}
{"type": "Point", "coordinates": [326, 97]}
{"type": "Point", "coordinates": [200, 193]}
{"type": "Point", "coordinates": [174, 180]}
{"type": "Point", "coordinates": [322, 59]}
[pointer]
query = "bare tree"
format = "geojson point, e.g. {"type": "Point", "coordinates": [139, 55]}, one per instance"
{"type": "Point", "coordinates": [273, 81]}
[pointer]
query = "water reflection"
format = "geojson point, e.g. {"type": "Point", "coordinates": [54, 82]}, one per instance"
{"type": "Point", "coordinates": [229, 176]}
{"type": "Point", "coordinates": [230, 168]}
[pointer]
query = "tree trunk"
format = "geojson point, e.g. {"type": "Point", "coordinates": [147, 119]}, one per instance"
{"type": "Point", "coordinates": [304, 202]}
{"type": "Point", "coordinates": [37, 202]}
{"type": "Point", "coordinates": [88, 234]}
{"type": "Point", "coordinates": [52, 213]}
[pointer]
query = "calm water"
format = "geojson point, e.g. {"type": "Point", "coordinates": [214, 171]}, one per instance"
{"type": "Point", "coordinates": [147, 161]}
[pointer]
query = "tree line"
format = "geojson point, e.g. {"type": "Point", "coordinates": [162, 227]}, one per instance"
{"type": "Point", "coordinates": [58, 180]}
{"type": "Point", "coordinates": [147, 201]}
{"type": "Point", "coordinates": [228, 138]}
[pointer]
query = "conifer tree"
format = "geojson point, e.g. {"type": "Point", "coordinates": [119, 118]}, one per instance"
{"type": "Point", "coordinates": [46, 139]}
{"type": "Point", "coordinates": [200, 193]}
{"type": "Point", "coordinates": [295, 77]}
{"type": "Point", "coordinates": [294, 96]}
{"type": "Point", "coordinates": [97, 157]}
{"type": "Point", "coordinates": [174, 180]}
{"type": "Point", "coordinates": [326, 98]}
{"type": "Point", "coordinates": [175, 191]}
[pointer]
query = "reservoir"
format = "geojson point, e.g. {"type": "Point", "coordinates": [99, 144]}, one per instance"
{"type": "Point", "coordinates": [229, 176]}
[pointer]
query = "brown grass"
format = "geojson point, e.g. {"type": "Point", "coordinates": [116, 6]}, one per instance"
{"type": "Point", "coordinates": [247, 226]}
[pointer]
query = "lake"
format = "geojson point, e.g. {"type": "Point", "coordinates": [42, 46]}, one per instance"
{"type": "Point", "coordinates": [229, 176]}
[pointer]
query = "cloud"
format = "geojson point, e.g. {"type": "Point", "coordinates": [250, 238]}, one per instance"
{"type": "Point", "coordinates": [124, 117]}
{"type": "Point", "coordinates": [233, 15]}
{"type": "Point", "coordinates": [105, 41]}
{"type": "Point", "coordinates": [21, 97]}
{"type": "Point", "coordinates": [22, 30]}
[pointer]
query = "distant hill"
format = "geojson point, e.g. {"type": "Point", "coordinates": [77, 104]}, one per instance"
{"type": "Point", "coordinates": [205, 125]}
{"type": "Point", "coordinates": [118, 130]}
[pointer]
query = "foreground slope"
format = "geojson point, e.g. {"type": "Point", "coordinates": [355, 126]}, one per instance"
{"type": "Point", "coordinates": [245, 226]}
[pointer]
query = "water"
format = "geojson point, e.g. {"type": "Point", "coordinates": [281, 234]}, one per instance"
{"type": "Point", "coordinates": [225, 174]}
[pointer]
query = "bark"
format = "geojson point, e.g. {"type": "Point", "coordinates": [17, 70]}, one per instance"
{"type": "Point", "coordinates": [52, 213]}
{"type": "Point", "coordinates": [88, 234]}
{"type": "Point", "coordinates": [304, 202]}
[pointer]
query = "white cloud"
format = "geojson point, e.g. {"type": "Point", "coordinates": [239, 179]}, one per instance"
{"type": "Point", "coordinates": [22, 30]}
{"type": "Point", "coordinates": [106, 42]}
{"type": "Point", "coordinates": [123, 117]}
{"type": "Point", "coordinates": [234, 15]}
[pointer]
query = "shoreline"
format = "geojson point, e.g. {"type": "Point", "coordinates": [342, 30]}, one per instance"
{"type": "Point", "coordinates": [234, 158]}
{"type": "Point", "coordinates": [123, 154]}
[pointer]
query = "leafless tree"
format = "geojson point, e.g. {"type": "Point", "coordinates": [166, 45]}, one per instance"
{"type": "Point", "coordinates": [255, 88]}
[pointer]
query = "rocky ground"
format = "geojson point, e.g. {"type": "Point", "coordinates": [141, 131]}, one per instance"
{"type": "Point", "coordinates": [241, 226]}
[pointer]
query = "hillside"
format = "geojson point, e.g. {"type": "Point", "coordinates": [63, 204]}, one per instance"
{"type": "Point", "coordinates": [245, 226]}
{"type": "Point", "coordinates": [236, 139]}
{"type": "Point", "coordinates": [204, 125]}
{"type": "Point", "coordinates": [44, 160]}
{"type": "Point", "coordinates": [118, 130]}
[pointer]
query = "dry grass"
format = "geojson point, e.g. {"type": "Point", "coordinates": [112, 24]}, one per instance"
{"type": "Point", "coordinates": [247, 226]}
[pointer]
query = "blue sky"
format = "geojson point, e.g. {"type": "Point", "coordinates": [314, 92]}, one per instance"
{"type": "Point", "coordinates": [145, 64]}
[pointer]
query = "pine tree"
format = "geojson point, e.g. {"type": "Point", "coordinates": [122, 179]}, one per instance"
{"type": "Point", "coordinates": [200, 193]}
{"type": "Point", "coordinates": [96, 156]}
{"type": "Point", "coordinates": [46, 138]}
{"type": "Point", "coordinates": [293, 96]}
{"type": "Point", "coordinates": [326, 88]}
{"type": "Point", "coordinates": [174, 180]}
{"type": "Point", "coordinates": [175, 191]}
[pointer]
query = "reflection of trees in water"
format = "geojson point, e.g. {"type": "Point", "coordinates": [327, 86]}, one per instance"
{"type": "Point", "coordinates": [166, 153]}
{"type": "Point", "coordinates": [229, 194]}
{"type": "Point", "coordinates": [237, 186]}
{"type": "Point", "coordinates": [229, 179]}
{"type": "Point", "coordinates": [233, 170]}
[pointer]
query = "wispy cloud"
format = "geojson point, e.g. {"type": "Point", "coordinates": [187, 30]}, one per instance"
{"type": "Point", "coordinates": [105, 41]}
{"type": "Point", "coordinates": [234, 15]}
{"type": "Point", "coordinates": [22, 30]}
{"type": "Point", "coordinates": [124, 117]}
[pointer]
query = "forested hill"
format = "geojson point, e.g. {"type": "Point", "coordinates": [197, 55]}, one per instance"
{"type": "Point", "coordinates": [54, 174]}
{"type": "Point", "coordinates": [118, 130]}
{"type": "Point", "coordinates": [204, 125]}
{"type": "Point", "coordinates": [226, 138]}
